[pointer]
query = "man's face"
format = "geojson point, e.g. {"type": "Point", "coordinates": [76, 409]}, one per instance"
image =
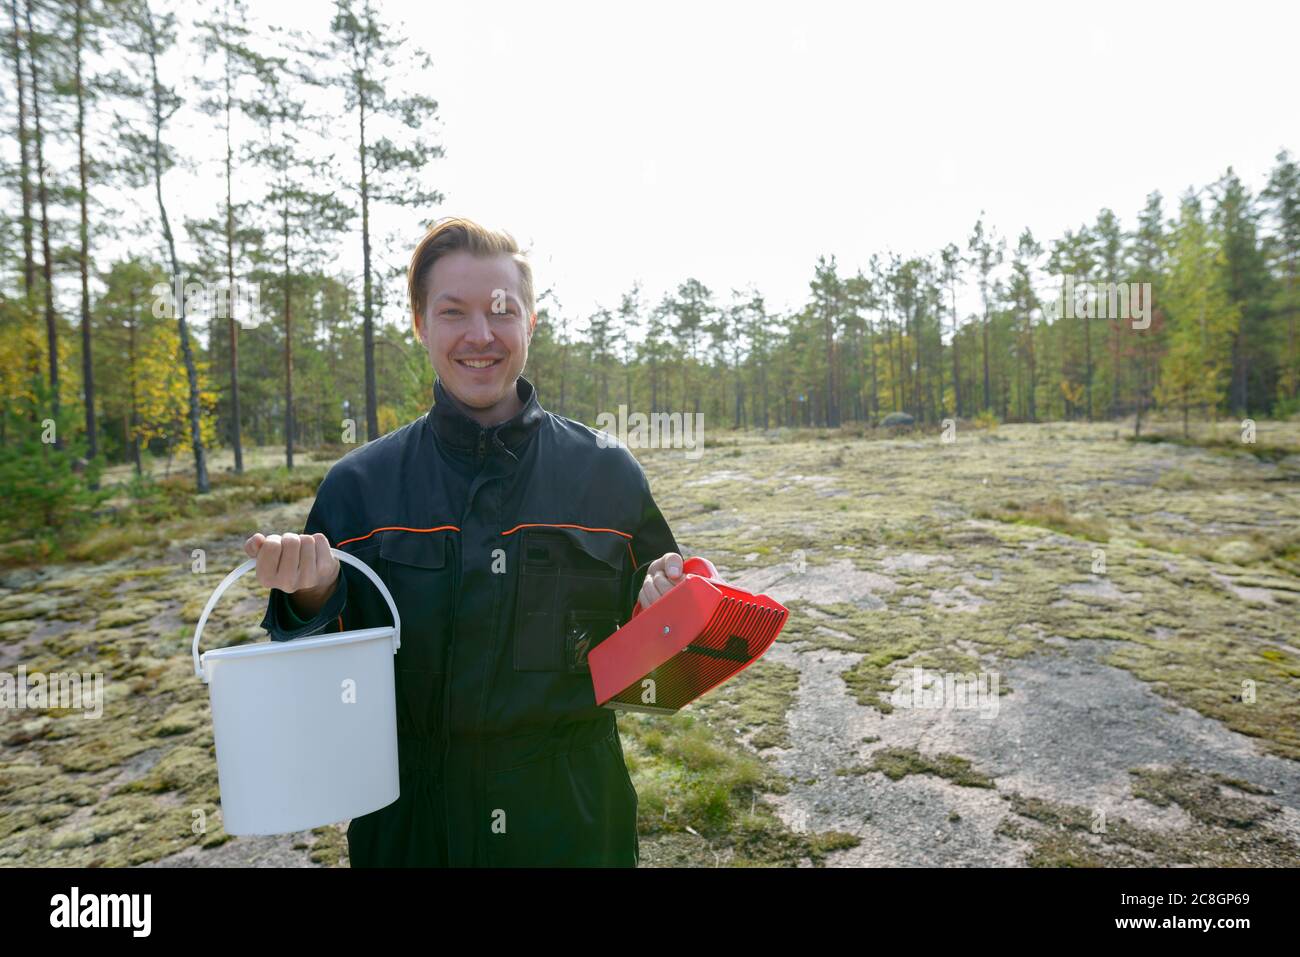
{"type": "Point", "coordinates": [476, 330]}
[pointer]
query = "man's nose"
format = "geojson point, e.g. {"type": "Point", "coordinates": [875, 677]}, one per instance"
{"type": "Point", "coordinates": [480, 330]}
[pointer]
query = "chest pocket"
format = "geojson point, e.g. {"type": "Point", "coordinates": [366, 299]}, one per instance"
{"type": "Point", "coordinates": [417, 572]}
{"type": "Point", "coordinates": [569, 597]}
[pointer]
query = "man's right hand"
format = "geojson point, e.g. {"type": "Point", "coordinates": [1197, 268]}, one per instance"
{"type": "Point", "coordinates": [300, 565]}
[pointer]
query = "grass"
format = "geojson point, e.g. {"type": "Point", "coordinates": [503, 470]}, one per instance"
{"type": "Point", "coordinates": [700, 798]}
{"type": "Point", "coordinates": [898, 763]}
{"type": "Point", "coordinates": [146, 513]}
{"type": "Point", "coordinates": [1053, 514]}
{"type": "Point", "coordinates": [1226, 830]}
{"type": "Point", "coordinates": [1013, 523]}
{"type": "Point", "coordinates": [1264, 451]}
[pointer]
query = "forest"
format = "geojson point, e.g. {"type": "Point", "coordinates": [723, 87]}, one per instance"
{"type": "Point", "coordinates": [133, 334]}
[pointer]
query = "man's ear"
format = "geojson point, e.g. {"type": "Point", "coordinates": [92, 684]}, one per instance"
{"type": "Point", "coordinates": [532, 326]}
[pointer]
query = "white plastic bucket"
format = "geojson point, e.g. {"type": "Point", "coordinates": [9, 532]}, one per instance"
{"type": "Point", "coordinates": [305, 730]}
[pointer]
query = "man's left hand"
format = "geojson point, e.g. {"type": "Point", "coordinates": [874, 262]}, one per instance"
{"type": "Point", "coordinates": [665, 572]}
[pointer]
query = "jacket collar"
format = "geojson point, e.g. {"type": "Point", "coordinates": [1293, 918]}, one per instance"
{"type": "Point", "coordinates": [455, 428]}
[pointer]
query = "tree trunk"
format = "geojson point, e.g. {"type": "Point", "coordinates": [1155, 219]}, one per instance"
{"type": "Point", "coordinates": [938, 321]}
{"type": "Point", "coordinates": [917, 373]}
{"type": "Point", "coordinates": [956, 364]}
{"type": "Point", "coordinates": [288, 348]}
{"type": "Point", "coordinates": [1291, 331]}
{"type": "Point", "coordinates": [187, 352]}
{"type": "Point", "coordinates": [1087, 352]}
{"type": "Point", "coordinates": [47, 265]}
{"type": "Point", "coordinates": [83, 257]}
{"type": "Point", "coordinates": [1141, 395]}
{"type": "Point", "coordinates": [889, 358]}
{"type": "Point", "coordinates": [25, 162]}
{"type": "Point", "coordinates": [875, 387]}
{"type": "Point", "coordinates": [133, 430]}
{"type": "Point", "coordinates": [830, 368]}
{"type": "Point", "coordinates": [985, 335]}
{"type": "Point", "coordinates": [368, 320]}
{"type": "Point", "coordinates": [1033, 378]}
{"type": "Point", "coordinates": [236, 424]}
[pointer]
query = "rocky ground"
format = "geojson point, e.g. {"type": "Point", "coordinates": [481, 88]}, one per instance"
{"type": "Point", "coordinates": [1132, 608]}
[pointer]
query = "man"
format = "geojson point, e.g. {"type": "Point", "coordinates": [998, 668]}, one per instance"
{"type": "Point", "coordinates": [512, 543]}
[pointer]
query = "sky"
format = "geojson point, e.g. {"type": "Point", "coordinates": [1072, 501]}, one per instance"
{"type": "Point", "coordinates": [737, 142]}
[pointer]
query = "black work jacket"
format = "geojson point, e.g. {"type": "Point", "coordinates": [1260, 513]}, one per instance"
{"type": "Point", "coordinates": [510, 551]}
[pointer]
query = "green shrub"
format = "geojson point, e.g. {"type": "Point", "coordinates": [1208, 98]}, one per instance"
{"type": "Point", "coordinates": [45, 492]}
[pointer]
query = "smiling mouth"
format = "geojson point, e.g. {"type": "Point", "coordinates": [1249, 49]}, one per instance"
{"type": "Point", "coordinates": [478, 363]}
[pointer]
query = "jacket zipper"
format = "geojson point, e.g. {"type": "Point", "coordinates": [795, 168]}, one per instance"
{"type": "Point", "coordinates": [446, 699]}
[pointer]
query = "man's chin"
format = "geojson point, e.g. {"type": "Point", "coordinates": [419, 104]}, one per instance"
{"type": "Point", "coordinates": [477, 393]}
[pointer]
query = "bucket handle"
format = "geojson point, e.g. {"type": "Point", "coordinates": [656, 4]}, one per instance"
{"type": "Point", "coordinates": [252, 563]}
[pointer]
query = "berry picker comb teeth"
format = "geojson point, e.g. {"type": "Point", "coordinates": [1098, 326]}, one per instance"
{"type": "Point", "coordinates": [689, 641]}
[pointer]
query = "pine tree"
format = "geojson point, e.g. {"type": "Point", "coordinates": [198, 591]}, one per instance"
{"type": "Point", "coordinates": [149, 37]}
{"type": "Point", "coordinates": [1147, 255]}
{"type": "Point", "coordinates": [301, 206]}
{"type": "Point", "coordinates": [1283, 196]}
{"type": "Point", "coordinates": [227, 39]}
{"type": "Point", "coordinates": [1202, 318]}
{"type": "Point", "coordinates": [389, 171]}
{"type": "Point", "coordinates": [1024, 301]}
{"type": "Point", "coordinates": [1247, 286]}
{"type": "Point", "coordinates": [1108, 244]}
{"type": "Point", "coordinates": [986, 254]}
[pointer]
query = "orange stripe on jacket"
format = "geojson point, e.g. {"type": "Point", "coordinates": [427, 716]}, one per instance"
{"type": "Point", "coordinates": [586, 528]}
{"type": "Point", "coordinates": [562, 525]}
{"type": "Point", "coordinates": [396, 528]}
{"type": "Point", "coordinates": [453, 528]}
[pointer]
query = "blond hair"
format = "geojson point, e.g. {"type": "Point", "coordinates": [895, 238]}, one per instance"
{"type": "Point", "coordinates": [457, 233]}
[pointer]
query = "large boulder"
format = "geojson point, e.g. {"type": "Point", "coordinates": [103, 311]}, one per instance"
{"type": "Point", "coordinates": [897, 420]}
